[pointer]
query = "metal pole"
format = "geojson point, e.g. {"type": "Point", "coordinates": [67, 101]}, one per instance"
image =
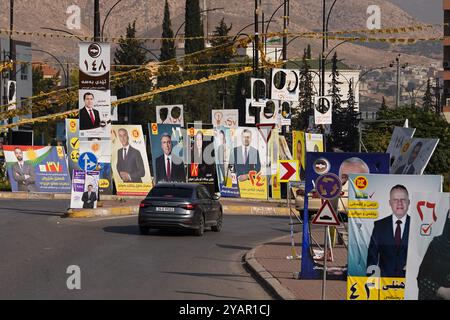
{"type": "Point", "coordinates": [12, 74]}
{"type": "Point", "coordinates": [285, 25]}
{"type": "Point", "coordinates": [256, 53]}
{"type": "Point", "coordinates": [97, 20]}
{"type": "Point", "coordinates": [398, 82]}
{"type": "Point", "coordinates": [325, 263]}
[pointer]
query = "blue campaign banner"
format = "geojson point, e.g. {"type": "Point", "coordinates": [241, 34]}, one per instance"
{"type": "Point", "coordinates": [37, 169]}
{"type": "Point", "coordinates": [342, 164]}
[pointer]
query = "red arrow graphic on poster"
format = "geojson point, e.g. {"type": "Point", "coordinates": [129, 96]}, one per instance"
{"type": "Point", "coordinates": [286, 171]}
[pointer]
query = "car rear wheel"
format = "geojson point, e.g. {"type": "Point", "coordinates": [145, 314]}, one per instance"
{"type": "Point", "coordinates": [201, 227]}
{"type": "Point", "coordinates": [143, 230]}
{"type": "Point", "coordinates": [218, 225]}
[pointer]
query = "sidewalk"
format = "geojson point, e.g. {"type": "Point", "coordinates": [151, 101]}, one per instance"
{"type": "Point", "coordinates": [269, 263]}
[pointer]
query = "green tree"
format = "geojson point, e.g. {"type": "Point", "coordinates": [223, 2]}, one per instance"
{"type": "Point", "coordinates": [384, 107]}
{"type": "Point", "coordinates": [129, 55]}
{"type": "Point", "coordinates": [167, 46]}
{"type": "Point", "coordinates": [350, 138]}
{"type": "Point", "coordinates": [428, 98]}
{"type": "Point", "coordinates": [308, 52]}
{"type": "Point", "coordinates": [428, 125]}
{"type": "Point", "coordinates": [193, 27]}
{"type": "Point", "coordinates": [338, 126]}
{"type": "Point", "coordinates": [301, 115]}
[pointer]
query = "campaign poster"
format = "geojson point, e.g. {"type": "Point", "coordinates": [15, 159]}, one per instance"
{"type": "Point", "coordinates": [379, 211]}
{"type": "Point", "coordinates": [342, 164]}
{"type": "Point", "coordinates": [299, 151]}
{"type": "Point", "coordinates": [399, 137]}
{"type": "Point", "coordinates": [314, 142]}
{"type": "Point", "coordinates": [274, 156]}
{"type": "Point", "coordinates": [225, 117]}
{"type": "Point", "coordinates": [200, 155]}
{"type": "Point", "coordinates": [37, 169]}
{"type": "Point", "coordinates": [168, 154]}
{"type": "Point", "coordinates": [170, 114]}
{"type": "Point", "coordinates": [94, 65]}
{"type": "Point", "coordinates": [73, 144]}
{"type": "Point", "coordinates": [248, 159]}
{"type": "Point", "coordinates": [94, 113]}
{"type": "Point", "coordinates": [414, 156]}
{"type": "Point", "coordinates": [85, 188]}
{"type": "Point", "coordinates": [285, 84]}
{"type": "Point", "coordinates": [224, 138]}
{"type": "Point", "coordinates": [129, 161]}
{"type": "Point", "coordinates": [429, 247]}
{"type": "Point", "coordinates": [102, 150]}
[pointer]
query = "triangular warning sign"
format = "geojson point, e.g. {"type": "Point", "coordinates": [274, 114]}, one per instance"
{"type": "Point", "coordinates": [265, 129]}
{"type": "Point", "coordinates": [326, 216]}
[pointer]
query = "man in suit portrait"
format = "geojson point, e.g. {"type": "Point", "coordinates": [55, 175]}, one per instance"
{"type": "Point", "coordinates": [169, 168]}
{"type": "Point", "coordinates": [130, 165]}
{"type": "Point", "coordinates": [23, 173]}
{"type": "Point", "coordinates": [89, 117]}
{"type": "Point", "coordinates": [409, 168]}
{"type": "Point", "coordinates": [245, 158]}
{"type": "Point", "coordinates": [389, 241]}
{"type": "Point", "coordinates": [89, 197]}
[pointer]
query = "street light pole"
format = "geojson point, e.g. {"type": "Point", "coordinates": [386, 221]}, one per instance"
{"type": "Point", "coordinates": [256, 47]}
{"type": "Point", "coordinates": [12, 75]}
{"type": "Point", "coordinates": [285, 26]}
{"type": "Point", "coordinates": [96, 20]}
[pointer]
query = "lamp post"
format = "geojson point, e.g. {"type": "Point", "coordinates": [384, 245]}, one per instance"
{"type": "Point", "coordinates": [107, 15]}
{"type": "Point", "coordinates": [61, 30]}
{"type": "Point", "coordinates": [397, 64]}
{"type": "Point", "coordinates": [184, 22]}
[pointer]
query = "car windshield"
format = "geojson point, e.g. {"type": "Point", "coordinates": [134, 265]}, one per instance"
{"type": "Point", "coordinates": [170, 193]}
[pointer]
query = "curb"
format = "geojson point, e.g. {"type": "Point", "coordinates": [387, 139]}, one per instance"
{"type": "Point", "coordinates": [265, 278]}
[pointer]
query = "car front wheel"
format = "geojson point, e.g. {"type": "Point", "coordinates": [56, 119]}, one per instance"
{"type": "Point", "coordinates": [218, 225]}
{"type": "Point", "coordinates": [201, 227]}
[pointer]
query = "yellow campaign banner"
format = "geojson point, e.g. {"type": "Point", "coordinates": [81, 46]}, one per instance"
{"type": "Point", "coordinates": [276, 187]}
{"type": "Point", "coordinates": [255, 187]}
{"type": "Point", "coordinates": [363, 288]}
{"type": "Point", "coordinates": [392, 288]}
{"type": "Point", "coordinates": [298, 147]}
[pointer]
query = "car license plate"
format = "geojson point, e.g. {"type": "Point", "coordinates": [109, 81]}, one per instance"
{"type": "Point", "coordinates": [165, 209]}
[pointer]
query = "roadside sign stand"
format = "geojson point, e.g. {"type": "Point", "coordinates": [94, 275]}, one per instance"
{"type": "Point", "coordinates": [327, 229]}
{"type": "Point", "coordinates": [265, 129]}
{"type": "Point", "coordinates": [294, 254]}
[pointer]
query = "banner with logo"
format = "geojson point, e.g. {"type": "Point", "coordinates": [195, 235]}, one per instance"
{"type": "Point", "coordinates": [248, 159]}
{"type": "Point", "coordinates": [414, 157]}
{"type": "Point", "coordinates": [379, 211]}
{"type": "Point", "coordinates": [37, 169]}
{"type": "Point", "coordinates": [323, 110]}
{"type": "Point", "coordinates": [85, 187]}
{"type": "Point", "coordinates": [102, 150]}
{"type": "Point", "coordinates": [285, 84]}
{"type": "Point", "coordinates": [129, 161]}
{"type": "Point", "coordinates": [399, 137]}
{"type": "Point", "coordinates": [200, 155]}
{"type": "Point", "coordinates": [73, 144]}
{"type": "Point", "coordinates": [168, 155]}
{"type": "Point", "coordinates": [223, 145]}
{"type": "Point", "coordinates": [225, 117]}
{"type": "Point", "coordinates": [94, 64]}
{"type": "Point", "coordinates": [429, 246]}
{"type": "Point", "coordinates": [170, 114]}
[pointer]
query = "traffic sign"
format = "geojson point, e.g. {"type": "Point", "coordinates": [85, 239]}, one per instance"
{"type": "Point", "coordinates": [328, 186]}
{"type": "Point", "coordinates": [87, 161]}
{"type": "Point", "coordinates": [287, 170]}
{"type": "Point", "coordinates": [326, 216]}
{"type": "Point", "coordinates": [265, 129]}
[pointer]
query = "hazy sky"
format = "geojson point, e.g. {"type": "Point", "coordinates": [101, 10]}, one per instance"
{"type": "Point", "coordinates": [429, 11]}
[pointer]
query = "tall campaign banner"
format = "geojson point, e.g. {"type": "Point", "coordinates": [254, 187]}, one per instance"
{"type": "Point", "coordinates": [37, 169]}
{"type": "Point", "coordinates": [414, 157]}
{"type": "Point", "coordinates": [248, 159]}
{"type": "Point", "coordinates": [168, 152]}
{"type": "Point", "coordinates": [429, 247]}
{"type": "Point", "coordinates": [129, 161]}
{"type": "Point", "coordinates": [102, 150]}
{"type": "Point", "coordinates": [223, 145]}
{"type": "Point", "coordinates": [399, 137]}
{"type": "Point", "coordinates": [299, 151]}
{"type": "Point", "coordinates": [201, 167]}
{"type": "Point", "coordinates": [274, 156]}
{"type": "Point", "coordinates": [85, 187]}
{"type": "Point", "coordinates": [170, 114]}
{"type": "Point", "coordinates": [73, 144]}
{"type": "Point", "coordinates": [380, 210]}
{"type": "Point", "coordinates": [225, 117]}
{"type": "Point", "coordinates": [94, 90]}
{"type": "Point", "coordinates": [342, 164]}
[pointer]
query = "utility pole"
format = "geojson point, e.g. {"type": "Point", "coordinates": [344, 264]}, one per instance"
{"type": "Point", "coordinates": [96, 20]}
{"type": "Point", "coordinates": [398, 82]}
{"type": "Point", "coordinates": [256, 52]}
{"type": "Point", "coordinates": [285, 26]}
{"type": "Point", "coordinates": [12, 54]}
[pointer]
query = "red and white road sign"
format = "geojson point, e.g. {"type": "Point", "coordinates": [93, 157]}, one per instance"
{"type": "Point", "coordinates": [287, 170]}
{"type": "Point", "coordinates": [326, 216]}
{"type": "Point", "coordinates": [265, 129]}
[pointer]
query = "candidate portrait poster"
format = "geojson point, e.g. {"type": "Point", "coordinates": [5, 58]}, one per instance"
{"type": "Point", "coordinates": [428, 268]}
{"type": "Point", "coordinates": [94, 113]}
{"type": "Point", "coordinates": [168, 152]}
{"type": "Point", "coordinates": [314, 142]}
{"type": "Point", "coordinates": [399, 137]}
{"type": "Point", "coordinates": [170, 114]}
{"type": "Point", "coordinates": [274, 156]}
{"type": "Point", "coordinates": [85, 188]}
{"type": "Point", "coordinates": [102, 150]}
{"type": "Point", "coordinates": [224, 138]}
{"type": "Point", "coordinates": [201, 168]}
{"type": "Point", "coordinates": [248, 159]}
{"type": "Point", "coordinates": [129, 162]}
{"type": "Point", "coordinates": [414, 156]}
{"type": "Point", "coordinates": [37, 169]}
{"type": "Point", "coordinates": [379, 210]}
{"type": "Point", "coordinates": [299, 151]}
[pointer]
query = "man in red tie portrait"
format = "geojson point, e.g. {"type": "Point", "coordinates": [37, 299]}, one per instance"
{"type": "Point", "coordinates": [389, 241]}
{"type": "Point", "coordinates": [169, 168]}
{"type": "Point", "coordinates": [89, 117]}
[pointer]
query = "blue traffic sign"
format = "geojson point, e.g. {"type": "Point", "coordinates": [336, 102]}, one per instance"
{"type": "Point", "coordinates": [328, 186]}
{"type": "Point", "coordinates": [88, 161]}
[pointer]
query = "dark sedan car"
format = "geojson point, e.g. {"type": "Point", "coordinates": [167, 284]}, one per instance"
{"type": "Point", "coordinates": [180, 205]}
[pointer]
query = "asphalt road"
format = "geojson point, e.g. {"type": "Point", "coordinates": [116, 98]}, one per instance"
{"type": "Point", "coordinates": [37, 246]}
